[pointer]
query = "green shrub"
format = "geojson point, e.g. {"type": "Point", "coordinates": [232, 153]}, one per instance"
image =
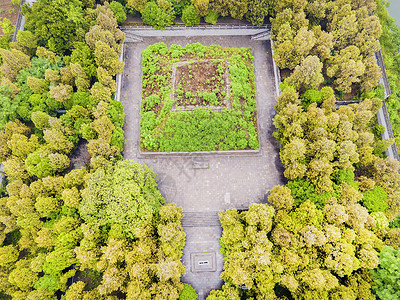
{"type": "Point", "coordinates": [151, 101]}
{"type": "Point", "coordinates": [148, 121]}
{"type": "Point", "coordinates": [301, 190]}
{"type": "Point", "coordinates": [387, 275]}
{"type": "Point", "coordinates": [211, 17]}
{"type": "Point", "coordinates": [395, 223]}
{"type": "Point", "coordinates": [188, 293]}
{"type": "Point", "coordinates": [210, 97]}
{"type": "Point", "coordinates": [116, 113]}
{"type": "Point", "coordinates": [380, 147]}
{"type": "Point", "coordinates": [190, 16]}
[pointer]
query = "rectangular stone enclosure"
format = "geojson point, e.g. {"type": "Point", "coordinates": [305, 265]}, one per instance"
{"type": "Point", "coordinates": [205, 183]}
{"type": "Point", "coordinates": [203, 262]}
{"type": "Point", "coordinates": [198, 98]}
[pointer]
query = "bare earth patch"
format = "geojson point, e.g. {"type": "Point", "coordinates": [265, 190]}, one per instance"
{"type": "Point", "coordinates": [199, 83]}
{"type": "Point", "coordinates": [9, 11]}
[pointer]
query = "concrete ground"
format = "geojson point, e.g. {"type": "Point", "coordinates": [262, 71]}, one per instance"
{"type": "Point", "coordinates": [230, 181]}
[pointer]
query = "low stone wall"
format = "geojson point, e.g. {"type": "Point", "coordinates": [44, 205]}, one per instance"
{"type": "Point", "coordinates": [118, 78]}
{"type": "Point", "coordinates": [277, 72]}
{"type": "Point", "coordinates": [135, 33]}
{"type": "Point", "coordinates": [145, 154]}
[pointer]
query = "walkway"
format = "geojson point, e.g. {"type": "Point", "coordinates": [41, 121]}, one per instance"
{"type": "Point", "coordinates": [136, 33]}
{"type": "Point", "coordinates": [204, 184]}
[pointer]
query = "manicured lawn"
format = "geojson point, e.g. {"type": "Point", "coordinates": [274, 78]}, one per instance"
{"type": "Point", "coordinates": [198, 98]}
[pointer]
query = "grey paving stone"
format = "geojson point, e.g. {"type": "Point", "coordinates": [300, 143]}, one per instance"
{"type": "Point", "coordinates": [230, 181]}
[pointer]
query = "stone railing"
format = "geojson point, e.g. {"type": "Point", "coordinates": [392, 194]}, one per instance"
{"type": "Point", "coordinates": [118, 79]}
{"type": "Point", "coordinates": [390, 131]}
{"type": "Point", "coordinates": [196, 27]}
{"type": "Point", "coordinates": [19, 23]}
{"type": "Point", "coordinates": [381, 64]}
{"type": "Point", "coordinates": [277, 72]}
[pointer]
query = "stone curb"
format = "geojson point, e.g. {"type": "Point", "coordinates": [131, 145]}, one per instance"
{"type": "Point", "coordinates": [143, 154]}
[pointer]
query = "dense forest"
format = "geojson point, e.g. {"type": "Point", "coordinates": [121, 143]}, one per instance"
{"type": "Point", "coordinates": [102, 230]}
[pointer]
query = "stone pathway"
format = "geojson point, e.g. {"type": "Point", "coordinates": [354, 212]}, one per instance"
{"type": "Point", "coordinates": [206, 184]}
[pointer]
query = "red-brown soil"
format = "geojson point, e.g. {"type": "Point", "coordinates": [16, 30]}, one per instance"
{"type": "Point", "coordinates": [10, 12]}
{"type": "Point", "coordinates": [199, 77]}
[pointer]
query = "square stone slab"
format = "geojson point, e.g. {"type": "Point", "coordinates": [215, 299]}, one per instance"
{"type": "Point", "coordinates": [203, 262]}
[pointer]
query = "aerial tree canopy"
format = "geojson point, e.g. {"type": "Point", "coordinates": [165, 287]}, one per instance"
{"type": "Point", "coordinates": [123, 194]}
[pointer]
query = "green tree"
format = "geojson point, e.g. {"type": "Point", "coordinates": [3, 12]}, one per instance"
{"type": "Point", "coordinates": [211, 17]}
{"type": "Point", "coordinates": [15, 169]}
{"type": "Point", "coordinates": [281, 198]}
{"type": "Point", "coordinates": [21, 146]}
{"type": "Point", "coordinates": [372, 74]}
{"type": "Point", "coordinates": [82, 81]}
{"type": "Point", "coordinates": [40, 119]}
{"type": "Point", "coordinates": [7, 26]}
{"type": "Point", "coordinates": [22, 276]}
{"type": "Point", "coordinates": [13, 61]}
{"type": "Point", "coordinates": [9, 255]}
{"type": "Point", "coordinates": [307, 75]}
{"type": "Point", "coordinates": [138, 5]}
{"type": "Point", "coordinates": [38, 85]}
{"type": "Point", "coordinates": [316, 10]}
{"type": "Point", "coordinates": [57, 141]}
{"type": "Point", "coordinates": [387, 273]}
{"type": "Point", "coordinates": [47, 205]}
{"type": "Point", "coordinates": [346, 67]}
{"type": "Point", "coordinates": [108, 58]}
{"type": "Point", "coordinates": [258, 10]}
{"type": "Point", "coordinates": [375, 199]}
{"type": "Point", "coordinates": [59, 162]}
{"type": "Point", "coordinates": [201, 7]}
{"type": "Point", "coordinates": [124, 194]}
{"type": "Point", "coordinates": [221, 7]}
{"type": "Point", "coordinates": [84, 56]}
{"type": "Point", "coordinates": [119, 11]}
{"type": "Point", "coordinates": [367, 39]}
{"type": "Point", "coordinates": [160, 14]}
{"type": "Point", "coordinates": [61, 92]}
{"type": "Point", "coordinates": [324, 45]}
{"type": "Point", "coordinates": [55, 23]}
{"type": "Point", "coordinates": [27, 42]}
{"type": "Point", "coordinates": [190, 16]}
{"type": "Point", "coordinates": [237, 8]}
{"type": "Point", "coordinates": [292, 51]}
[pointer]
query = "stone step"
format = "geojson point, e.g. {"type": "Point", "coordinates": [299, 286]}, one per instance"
{"type": "Point", "coordinates": [132, 38]}
{"type": "Point", "coordinates": [200, 219]}
{"type": "Point", "coordinates": [261, 36]}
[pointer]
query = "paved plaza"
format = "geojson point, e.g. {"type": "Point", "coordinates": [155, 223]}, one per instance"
{"type": "Point", "coordinates": [203, 183]}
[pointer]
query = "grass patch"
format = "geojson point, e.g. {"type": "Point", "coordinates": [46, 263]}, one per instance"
{"type": "Point", "coordinates": [198, 98]}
